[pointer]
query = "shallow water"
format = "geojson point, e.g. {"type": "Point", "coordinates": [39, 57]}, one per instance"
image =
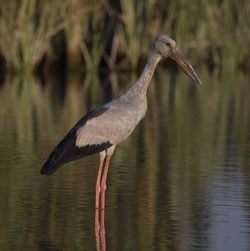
{"type": "Point", "coordinates": [181, 181]}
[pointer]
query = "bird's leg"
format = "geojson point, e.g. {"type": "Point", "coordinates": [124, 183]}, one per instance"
{"type": "Point", "coordinates": [97, 238]}
{"type": "Point", "coordinates": [102, 232]}
{"type": "Point", "coordinates": [98, 180]}
{"type": "Point", "coordinates": [103, 183]}
{"type": "Point", "coordinates": [109, 153]}
{"type": "Point", "coordinates": [97, 197]}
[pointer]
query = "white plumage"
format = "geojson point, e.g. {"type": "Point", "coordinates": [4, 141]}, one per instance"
{"type": "Point", "coordinates": [114, 125]}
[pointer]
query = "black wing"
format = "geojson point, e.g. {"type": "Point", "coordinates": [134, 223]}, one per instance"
{"type": "Point", "coordinates": [67, 150]}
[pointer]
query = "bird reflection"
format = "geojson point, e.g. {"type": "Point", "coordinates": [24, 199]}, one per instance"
{"type": "Point", "coordinates": [100, 229]}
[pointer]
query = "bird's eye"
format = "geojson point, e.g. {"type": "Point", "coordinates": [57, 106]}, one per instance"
{"type": "Point", "coordinates": [168, 44]}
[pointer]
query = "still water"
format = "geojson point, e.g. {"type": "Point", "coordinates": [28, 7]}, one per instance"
{"type": "Point", "coordinates": [180, 182]}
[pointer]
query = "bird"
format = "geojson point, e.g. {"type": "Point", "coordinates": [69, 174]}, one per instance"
{"type": "Point", "coordinates": [102, 129]}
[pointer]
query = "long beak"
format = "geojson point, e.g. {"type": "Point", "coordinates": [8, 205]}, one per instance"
{"type": "Point", "coordinates": [185, 65]}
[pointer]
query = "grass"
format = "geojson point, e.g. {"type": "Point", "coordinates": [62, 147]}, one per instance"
{"type": "Point", "coordinates": [119, 33]}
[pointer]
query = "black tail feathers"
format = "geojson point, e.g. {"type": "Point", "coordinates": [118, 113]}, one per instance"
{"type": "Point", "coordinates": [57, 156]}
{"type": "Point", "coordinates": [51, 164]}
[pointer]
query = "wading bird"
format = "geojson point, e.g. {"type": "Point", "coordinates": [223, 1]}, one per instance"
{"type": "Point", "coordinates": [102, 129]}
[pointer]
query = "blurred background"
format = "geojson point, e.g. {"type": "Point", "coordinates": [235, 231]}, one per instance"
{"type": "Point", "coordinates": [92, 35]}
{"type": "Point", "coordinates": [181, 180]}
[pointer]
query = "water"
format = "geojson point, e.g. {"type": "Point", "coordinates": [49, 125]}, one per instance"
{"type": "Point", "coordinates": [179, 182]}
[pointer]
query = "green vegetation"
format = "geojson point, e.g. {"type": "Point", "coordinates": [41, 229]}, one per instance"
{"type": "Point", "coordinates": [118, 32]}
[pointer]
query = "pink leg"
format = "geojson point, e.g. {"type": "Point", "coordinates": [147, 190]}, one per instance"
{"type": "Point", "coordinates": [102, 231]}
{"type": "Point", "coordinates": [97, 227]}
{"type": "Point", "coordinates": [103, 182]}
{"type": "Point", "coordinates": [98, 181]}
{"type": "Point", "coordinates": [97, 199]}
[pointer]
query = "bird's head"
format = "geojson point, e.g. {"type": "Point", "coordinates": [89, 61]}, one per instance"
{"type": "Point", "coordinates": [164, 46]}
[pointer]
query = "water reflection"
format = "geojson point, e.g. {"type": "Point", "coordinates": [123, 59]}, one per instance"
{"type": "Point", "coordinates": [180, 182]}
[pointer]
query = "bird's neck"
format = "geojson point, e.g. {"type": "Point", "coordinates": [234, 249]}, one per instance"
{"type": "Point", "coordinates": [141, 85]}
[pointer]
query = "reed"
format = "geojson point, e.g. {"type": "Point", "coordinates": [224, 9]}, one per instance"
{"type": "Point", "coordinates": [94, 40]}
{"type": "Point", "coordinates": [26, 28]}
{"type": "Point", "coordinates": [219, 31]}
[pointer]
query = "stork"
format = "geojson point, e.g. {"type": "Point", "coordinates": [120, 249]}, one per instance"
{"type": "Point", "coordinates": [102, 129]}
